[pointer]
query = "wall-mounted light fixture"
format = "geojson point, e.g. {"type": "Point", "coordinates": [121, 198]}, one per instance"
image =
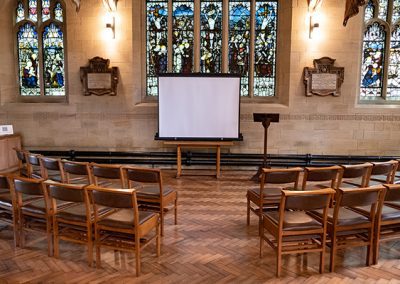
{"type": "Point", "coordinates": [313, 26]}
{"type": "Point", "coordinates": [313, 6]}
{"type": "Point", "coordinates": [111, 7]}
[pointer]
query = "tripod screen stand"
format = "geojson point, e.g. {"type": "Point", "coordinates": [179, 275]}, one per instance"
{"type": "Point", "coordinates": [265, 119]}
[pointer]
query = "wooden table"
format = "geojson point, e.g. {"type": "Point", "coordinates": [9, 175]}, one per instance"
{"type": "Point", "coordinates": [198, 144]}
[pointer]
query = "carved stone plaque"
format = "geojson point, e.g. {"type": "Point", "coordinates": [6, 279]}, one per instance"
{"type": "Point", "coordinates": [98, 79]}
{"type": "Point", "coordinates": [324, 79]}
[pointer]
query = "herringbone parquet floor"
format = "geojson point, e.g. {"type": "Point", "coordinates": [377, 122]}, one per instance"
{"type": "Point", "coordinates": [211, 244]}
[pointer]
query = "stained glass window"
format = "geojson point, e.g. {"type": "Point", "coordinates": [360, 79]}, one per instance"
{"type": "Point", "coordinates": [45, 10]}
{"type": "Point", "coordinates": [393, 86]}
{"type": "Point", "coordinates": [53, 52]}
{"type": "Point", "coordinates": [239, 41]}
{"type": "Point", "coordinates": [41, 63]}
{"type": "Point", "coordinates": [396, 11]}
{"type": "Point", "coordinates": [58, 12]}
{"type": "Point", "coordinates": [380, 69]}
{"type": "Point", "coordinates": [211, 36]}
{"type": "Point", "coordinates": [369, 11]}
{"type": "Point", "coordinates": [20, 12]}
{"type": "Point", "coordinates": [28, 60]}
{"type": "Point", "coordinates": [33, 10]}
{"type": "Point", "coordinates": [182, 36]}
{"type": "Point", "coordinates": [372, 61]}
{"type": "Point", "coordinates": [265, 48]}
{"type": "Point", "coordinates": [157, 43]}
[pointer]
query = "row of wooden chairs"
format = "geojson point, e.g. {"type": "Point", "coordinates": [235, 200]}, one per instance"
{"type": "Point", "coordinates": [359, 217]}
{"type": "Point", "coordinates": [85, 214]}
{"type": "Point", "coordinates": [151, 193]}
{"type": "Point", "coordinates": [268, 193]}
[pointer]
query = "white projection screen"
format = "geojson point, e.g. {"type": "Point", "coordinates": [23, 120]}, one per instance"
{"type": "Point", "coordinates": [198, 107]}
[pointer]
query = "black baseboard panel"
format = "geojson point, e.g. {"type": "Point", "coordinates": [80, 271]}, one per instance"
{"type": "Point", "coordinates": [190, 158]}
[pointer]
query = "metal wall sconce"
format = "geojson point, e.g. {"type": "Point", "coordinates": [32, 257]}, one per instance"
{"type": "Point", "coordinates": [111, 7]}
{"type": "Point", "coordinates": [313, 7]}
{"type": "Point", "coordinates": [313, 26]}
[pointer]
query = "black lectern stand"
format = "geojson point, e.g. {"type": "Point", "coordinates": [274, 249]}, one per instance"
{"type": "Point", "coordinates": [265, 119]}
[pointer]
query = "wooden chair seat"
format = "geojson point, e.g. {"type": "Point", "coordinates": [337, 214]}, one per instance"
{"type": "Point", "coordinates": [77, 213]}
{"type": "Point", "coordinates": [39, 206]}
{"type": "Point", "coordinates": [124, 218]}
{"type": "Point", "coordinates": [148, 191]}
{"type": "Point", "coordinates": [346, 217]}
{"type": "Point", "coordinates": [388, 212]}
{"type": "Point", "coordinates": [294, 220]}
{"type": "Point", "coordinates": [267, 192]}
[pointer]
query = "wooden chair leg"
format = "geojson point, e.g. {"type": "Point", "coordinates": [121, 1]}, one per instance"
{"type": "Point", "coordinates": [90, 245]}
{"type": "Point", "coordinates": [162, 221]}
{"type": "Point", "coordinates": [158, 238]}
{"type": "Point", "coordinates": [248, 212]}
{"type": "Point", "coordinates": [176, 211]}
{"type": "Point", "coordinates": [137, 254]}
{"type": "Point", "coordinates": [369, 248]}
{"type": "Point", "coordinates": [261, 246]}
{"type": "Point", "coordinates": [56, 239]}
{"type": "Point", "coordinates": [98, 252]}
{"type": "Point", "coordinates": [333, 254]}
{"type": "Point", "coordinates": [15, 229]}
{"type": "Point", "coordinates": [49, 237]}
{"type": "Point", "coordinates": [376, 248]}
{"type": "Point", "coordinates": [279, 259]}
{"type": "Point", "coordinates": [322, 260]}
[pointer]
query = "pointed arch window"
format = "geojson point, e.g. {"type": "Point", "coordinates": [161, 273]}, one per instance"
{"type": "Point", "coordinates": [40, 40]}
{"type": "Point", "coordinates": [380, 66]}
{"type": "Point", "coordinates": [213, 36]}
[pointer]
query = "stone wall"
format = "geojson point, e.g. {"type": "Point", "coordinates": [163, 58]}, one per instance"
{"type": "Point", "coordinates": [317, 125]}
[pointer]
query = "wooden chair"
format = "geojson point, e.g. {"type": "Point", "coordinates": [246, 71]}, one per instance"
{"type": "Point", "coordinates": [151, 193]}
{"type": "Point", "coordinates": [8, 208]}
{"type": "Point", "coordinates": [107, 175]}
{"type": "Point", "coordinates": [34, 168]}
{"type": "Point", "coordinates": [292, 230]}
{"type": "Point", "coordinates": [52, 169]}
{"type": "Point", "coordinates": [32, 215]}
{"type": "Point", "coordinates": [22, 163]}
{"type": "Point", "coordinates": [126, 228]}
{"type": "Point", "coordinates": [321, 177]}
{"type": "Point", "coordinates": [383, 172]}
{"type": "Point", "coordinates": [355, 175]}
{"type": "Point", "coordinates": [268, 194]}
{"type": "Point", "coordinates": [72, 223]}
{"type": "Point", "coordinates": [77, 172]}
{"type": "Point", "coordinates": [348, 227]}
{"type": "Point", "coordinates": [387, 227]}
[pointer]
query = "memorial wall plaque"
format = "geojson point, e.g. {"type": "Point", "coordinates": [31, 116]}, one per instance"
{"type": "Point", "coordinates": [324, 79]}
{"type": "Point", "coordinates": [98, 79]}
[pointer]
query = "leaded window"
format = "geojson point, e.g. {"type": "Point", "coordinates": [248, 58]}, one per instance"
{"type": "Point", "coordinates": [40, 39]}
{"type": "Point", "coordinates": [380, 66]}
{"type": "Point", "coordinates": [213, 36]}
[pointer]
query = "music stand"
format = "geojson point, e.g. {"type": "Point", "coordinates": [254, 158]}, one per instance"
{"type": "Point", "coordinates": [265, 119]}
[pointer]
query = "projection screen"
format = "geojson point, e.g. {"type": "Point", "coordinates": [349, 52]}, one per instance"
{"type": "Point", "coordinates": [198, 107]}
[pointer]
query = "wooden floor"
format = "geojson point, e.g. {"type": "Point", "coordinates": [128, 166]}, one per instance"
{"type": "Point", "coordinates": [211, 244]}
